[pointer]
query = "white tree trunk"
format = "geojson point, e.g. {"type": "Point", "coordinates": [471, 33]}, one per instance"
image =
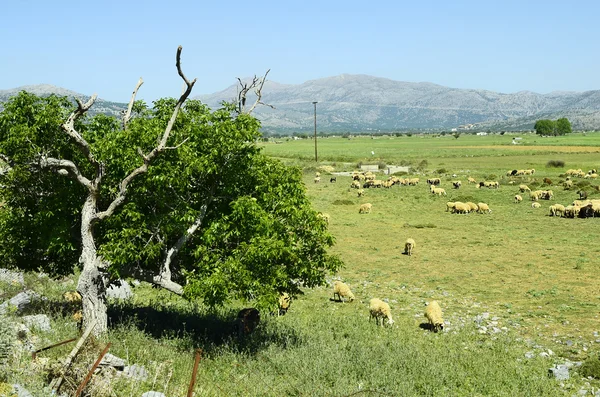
{"type": "Point", "coordinates": [92, 281]}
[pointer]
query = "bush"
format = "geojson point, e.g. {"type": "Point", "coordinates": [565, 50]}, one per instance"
{"type": "Point", "coordinates": [555, 163]}
{"type": "Point", "coordinates": [359, 165]}
{"type": "Point", "coordinates": [404, 163]}
{"type": "Point", "coordinates": [400, 173]}
{"type": "Point", "coordinates": [582, 184]}
{"type": "Point", "coordinates": [343, 202]}
{"type": "Point", "coordinates": [381, 165]}
{"type": "Point", "coordinates": [441, 171]}
{"type": "Point", "coordinates": [591, 367]}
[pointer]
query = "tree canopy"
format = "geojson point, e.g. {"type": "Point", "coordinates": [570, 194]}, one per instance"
{"type": "Point", "coordinates": [227, 221]}
{"type": "Point", "coordinates": [561, 126]}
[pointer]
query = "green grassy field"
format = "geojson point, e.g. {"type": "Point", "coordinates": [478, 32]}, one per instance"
{"type": "Point", "coordinates": [512, 284]}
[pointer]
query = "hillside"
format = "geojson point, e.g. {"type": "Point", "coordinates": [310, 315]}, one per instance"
{"type": "Point", "coordinates": [363, 103]}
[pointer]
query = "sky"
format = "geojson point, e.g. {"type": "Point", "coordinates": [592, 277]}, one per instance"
{"type": "Point", "coordinates": [104, 47]}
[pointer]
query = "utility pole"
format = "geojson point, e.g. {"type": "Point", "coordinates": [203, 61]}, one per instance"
{"type": "Point", "coordinates": [316, 158]}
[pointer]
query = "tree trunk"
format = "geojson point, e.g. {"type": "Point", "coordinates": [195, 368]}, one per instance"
{"type": "Point", "coordinates": [92, 281]}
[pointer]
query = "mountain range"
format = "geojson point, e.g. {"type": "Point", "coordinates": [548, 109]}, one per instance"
{"type": "Point", "coordinates": [365, 103]}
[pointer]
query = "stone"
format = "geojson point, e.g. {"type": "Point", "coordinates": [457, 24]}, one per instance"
{"type": "Point", "coordinates": [529, 355]}
{"type": "Point", "coordinates": [8, 276]}
{"type": "Point", "coordinates": [110, 360]}
{"type": "Point", "coordinates": [21, 391]}
{"type": "Point", "coordinates": [119, 290]}
{"type": "Point", "coordinates": [136, 372]}
{"type": "Point", "coordinates": [20, 301]}
{"type": "Point", "coordinates": [39, 321]}
{"type": "Point", "coordinates": [153, 394]}
{"type": "Point", "coordinates": [560, 372]}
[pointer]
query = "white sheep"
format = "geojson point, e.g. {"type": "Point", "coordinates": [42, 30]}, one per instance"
{"type": "Point", "coordinates": [360, 192]}
{"type": "Point", "coordinates": [379, 309]}
{"type": "Point", "coordinates": [439, 191]}
{"type": "Point", "coordinates": [535, 204]}
{"type": "Point", "coordinates": [518, 198]}
{"type": "Point", "coordinates": [461, 208]}
{"type": "Point", "coordinates": [472, 206]}
{"type": "Point", "coordinates": [557, 210]}
{"type": "Point", "coordinates": [433, 312]}
{"type": "Point", "coordinates": [449, 206]}
{"type": "Point", "coordinates": [471, 180]}
{"type": "Point", "coordinates": [365, 208]}
{"type": "Point", "coordinates": [524, 188]}
{"type": "Point", "coordinates": [342, 291]}
{"type": "Point", "coordinates": [483, 207]}
{"type": "Point", "coordinates": [409, 246]}
{"type": "Point", "coordinates": [317, 179]}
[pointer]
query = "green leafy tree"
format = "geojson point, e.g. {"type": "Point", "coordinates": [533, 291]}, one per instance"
{"type": "Point", "coordinates": [545, 127]}
{"type": "Point", "coordinates": [563, 126]}
{"type": "Point", "coordinates": [174, 194]}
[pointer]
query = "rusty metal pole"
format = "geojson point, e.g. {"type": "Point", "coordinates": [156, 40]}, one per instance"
{"type": "Point", "coordinates": [316, 158]}
{"type": "Point", "coordinates": [190, 392]}
{"type": "Point", "coordinates": [89, 375]}
{"type": "Point", "coordinates": [34, 354]}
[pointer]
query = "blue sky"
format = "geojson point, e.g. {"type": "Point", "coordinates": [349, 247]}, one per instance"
{"type": "Point", "coordinates": [105, 46]}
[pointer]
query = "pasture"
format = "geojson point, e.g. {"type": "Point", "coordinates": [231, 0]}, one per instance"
{"type": "Point", "coordinates": [519, 290]}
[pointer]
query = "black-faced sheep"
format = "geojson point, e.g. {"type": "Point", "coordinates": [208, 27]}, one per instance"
{"type": "Point", "coordinates": [333, 179]}
{"type": "Point", "coordinates": [434, 181]}
{"type": "Point", "coordinates": [360, 192]}
{"type": "Point", "coordinates": [380, 310]}
{"type": "Point", "coordinates": [433, 313]}
{"type": "Point", "coordinates": [582, 194]}
{"type": "Point", "coordinates": [518, 198]}
{"type": "Point", "coordinates": [317, 179]}
{"type": "Point", "coordinates": [342, 291]}
{"type": "Point", "coordinates": [456, 184]}
{"type": "Point", "coordinates": [365, 208]}
{"type": "Point", "coordinates": [409, 246]}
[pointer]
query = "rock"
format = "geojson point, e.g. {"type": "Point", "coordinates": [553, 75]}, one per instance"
{"type": "Point", "coordinates": [20, 301]}
{"type": "Point", "coordinates": [21, 391]}
{"type": "Point", "coordinates": [153, 394]}
{"type": "Point", "coordinates": [569, 343]}
{"type": "Point", "coordinates": [136, 283]}
{"type": "Point", "coordinates": [136, 372]}
{"type": "Point", "coordinates": [119, 290]}
{"type": "Point", "coordinates": [110, 360]}
{"type": "Point", "coordinates": [8, 276]}
{"type": "Point", "coordinates": [582, 392]}
{"type": "Point", "coordinates": [529, 355]}
{"type": "Point", "coordinates": [544, 354]}
{"type": "Point", "coordinates": [560, 372]}
{"type": "Point", "coordinates": [39, 321]}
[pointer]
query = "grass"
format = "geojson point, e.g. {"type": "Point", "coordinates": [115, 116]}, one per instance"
{"type": "Point", "coordinates": [537, 277]}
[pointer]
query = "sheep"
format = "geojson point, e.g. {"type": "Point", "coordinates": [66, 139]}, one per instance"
{"type": "Point", "coordinates": [547, 181]}
{"type": "Point", "coordinates": [439, 191]}
{"type": "Point", "coordinates": [355, 185]}
{"type": "Point", "coordinates": [379, 309]}
{"type": "Point", "coordinates": [317, 174]}
{"type": "Point", "coordinates": [535, 204]}
{"type": "Point", "coordinates": [360, 192]}
{"type": "Point", "coordinates": [333, 179]}
{"type": "Point", "coordinates": [284, 303]}
{"type": "Point", "coordinates": [365, 208]}
{"type": "Point", "coordinates": [325, 216]}
{"type": "Point", "coordinates": [518, 198]}
{"type": "Point", "coordinates": [483, 207]}
{"type": "Point", "coordinates": [568, 184]}
{"type": "Point", "coordinates": [413, 181]}
{"type": "Point", "coordinates": [461, 208]}
{"type": "Point", "coordinates": [317, 179]}
{"type": "Point", "coordinates": [547, 194]}
{"type": "Point", "coordinates": [342, 291]}
{"type": "Point", "coordinates": [433, 312]}
{"type": "Point", "coordinates": [247, 321]}
{"type": "Point", "coordinates": [582, 194]}
{"type": "Point", "coordinates": [557, 209]}
{"type": "Point", "coordinates": [434, 181]}
{"type": "Point", "coordinates": [409, 246]}
{"type": "Point", "coordinates": [456, 184]}
{"type": "Point", "coordinates": [524, 188]}
{"type": "Point", "coordinates": [472, 206]}
{"type": "Point", "coordinates": [449, 206]}
{"type": "Point", "coordinates": [572, 211]}
{"type": "Point", "coordinates": [535, 196]}
{"type": "Point", "coordinates": [471, 180]}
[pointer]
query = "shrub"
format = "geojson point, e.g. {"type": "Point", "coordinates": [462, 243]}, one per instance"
{"type": "Point", "coordinates": [441, 171]}
{"type": "Point", "coordinates": [400, 173]}
{"type": "Point", "coordinates": [404, 163]}
{"type": "Point", "coordinates": [591, 367]}
{"type": "Point", "coordinates": [359, 165]}
{"type": "Point", "coordinates": [343, 202]}
{"type": "Point", "coordinates": [555, 163]}
{"type": "Point", "coordinates": [582, 184]}
{"type": "Point", "coordinates": [381, 165]}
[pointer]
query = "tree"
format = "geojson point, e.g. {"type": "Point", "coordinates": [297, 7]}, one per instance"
{"type": "Point", "coordinates": [205, 214]}
{"type": "Point", "coordinates": [563, 126]}
{"type": "Point", "coordinates": [545, 127]}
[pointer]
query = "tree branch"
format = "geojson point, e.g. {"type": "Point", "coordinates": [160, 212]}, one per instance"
{"type": "Point", "coordinates": [142, 169]}
{"type": "Point", "coordinates": [8, 161]}
{"type": "Point", "coordinates": [66, 166]}
{"type": "Point", "coordinates": [69, 127]}
{"type": "Point", "coordinates": [127, 115]}
{"type": "Point", "coordinates": [258, 92]}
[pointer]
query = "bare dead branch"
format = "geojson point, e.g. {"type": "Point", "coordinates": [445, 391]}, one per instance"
{"type": "Point", "coordinates": [127, 115]}
{"type": "Point", "coordinates": [69, 128]}
{"type": "Point", "coordinates": [177, 146]}
{"type": "Point", "coordinates": [65, 166]}
{"type": "Point", "coordinates": [258, 91]}
{"type": "Point", "coordinates": [142, 169]}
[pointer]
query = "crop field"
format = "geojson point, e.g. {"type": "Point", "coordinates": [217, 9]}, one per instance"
{"type": "Point", "coordinates": [520, 290]}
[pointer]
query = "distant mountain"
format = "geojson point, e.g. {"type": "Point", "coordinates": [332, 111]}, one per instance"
{"type": "Point", "coordinates": [360, 102]}
{"type": "Point", "coordinates": [363, 103]}
{"type": "Point", "coordinates": [100, 106]}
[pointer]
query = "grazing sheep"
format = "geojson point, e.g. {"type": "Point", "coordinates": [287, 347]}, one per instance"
{"type": "Point", "coordinates": [379, 309]}
{"type": "Point", "coordinates": [535, 204]}
{"type": "Point", "coordinates": [449, 206]}
{"type": "Point", "coordinates": [483, 207]}
{"type": "Point", "coordinates": [557, 209]}
{"type": "Point", "coordinates": [461, 208]}
{"type": "Point", "coordinates": [434, 181]}
{"type": "Point", "coordinates": [413, 181]}
{"type": "Point", "coordinates": [333, 179]}
{"type": "Point", "coordinates": [360, 192]}
{"type": "Point", "coordinates": [582, 194]}
{"type": "Point", "coordinates": [472, 206]}
{"type": "Point", "coordinates": [518, 198]}
{"type": "Point", "coordinates": [434, 316]}
{"type": "Point", "coordinates": [355, 185]}
{"type": "Point", "coordinates": [247, 321]}
{"type": "Point", "coordinates": [568, 184]}
{"type": "Point", "coordinates": [342, 291]}
{"type": "Point", "coordinates": [317, 174]}
{"type": "Point", "coordinates": [365, 208]}
{"type": "Point", "coordinates": [439, 191]}
{"type": "Point", "coordinates": [471, 180]}
{"type": "Point", "coordinates": [456, 184]}
{"type": "Point", "coordinates": [409, 246]}
{"type": "Point", "coordinates": [535, 196]}
{"type": "Point", "coordinates": [524, 188]}
{"type": "Point", "coordinates": [317, 179]}
{"type": "Point", "coordinates": [284, 303]}
{"type": "Point", "coordinates": [547, 181]}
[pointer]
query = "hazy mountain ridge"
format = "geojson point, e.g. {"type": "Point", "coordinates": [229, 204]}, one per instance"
{"type": "Point", "coordinates": [360, 102]}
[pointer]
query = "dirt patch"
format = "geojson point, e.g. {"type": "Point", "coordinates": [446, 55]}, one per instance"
{"type": "Point", "coordinates": [565, 149]}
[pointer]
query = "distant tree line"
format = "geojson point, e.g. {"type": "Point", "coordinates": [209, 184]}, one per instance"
{"type": "Point", "coordinates": [550, 127]}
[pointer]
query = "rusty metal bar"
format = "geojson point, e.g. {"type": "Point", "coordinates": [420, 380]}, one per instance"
{"type": "Point", "coordinates": [190, 392]}
{"type": "Point", "coordinates": [89, 375]}
{"type": "Point", "coordinates": [34, 354]}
